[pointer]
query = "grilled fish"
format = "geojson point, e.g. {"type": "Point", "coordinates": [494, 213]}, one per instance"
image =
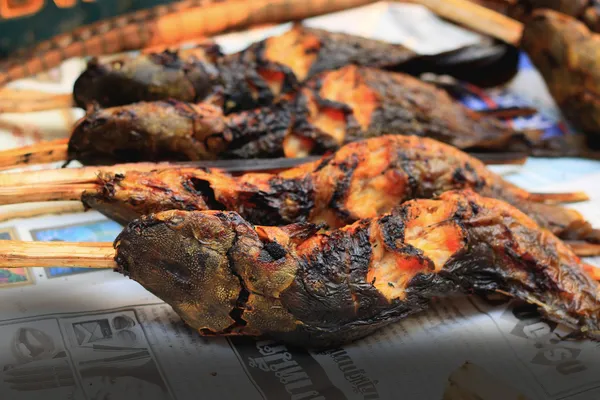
{"type": "Point", "coordinates": [275, 66]}
{"type": "Point", "coordinates": [248, 79]}
{"type": "Point", "coordinates": [332, 109]}
{"type": "Point", "coordinates": [361, 180]}
{"type": "Point", "coordinates": [225, 276]}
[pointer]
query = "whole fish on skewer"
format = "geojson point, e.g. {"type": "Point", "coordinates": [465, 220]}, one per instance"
{"type": "Point", "coordinates": [363, 179]}
{"type": "Point", "coordinates": [224, 276]}
{"type": "Point", "coordinates": [265, 70]}
{"type": "Point", "coordinates": [255, 76]}
{"type": "Point", "coordinates": [332, 109]}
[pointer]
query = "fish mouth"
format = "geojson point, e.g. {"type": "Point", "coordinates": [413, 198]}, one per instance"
{"type": "Point", "coordinates": [182, 258]}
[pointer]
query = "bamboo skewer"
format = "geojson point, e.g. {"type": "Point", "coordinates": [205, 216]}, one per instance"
{"type": "Point", "coordinates": [89, 174]}
{"type": "Point", "coordinates": [97, 255]}
{"type": "Point", "coordinates": [19, 254]}
{"type": "Point", "coordinates": [42, 209]}
{"type": "Point", "coordinates": [476, 17]}
{"type": "Point", "coordinates": [31, 194]}
{"type": "Point", "coordinates": [39, 153]}
{"type": "Point", "coordinates": [72, 175]}
{"type": "Point", "coordinates": [584, 249]}
{"type": "Point", "coordinates": [56, 151]}
{"type": "Point", "coordinates": [70, 183]}
{"type": "Point", "coordinates": [504, 158]}
{"type": "Point", "coordinates": [15, 102]}
{"type": "Point", "coordinates": [559, 198]}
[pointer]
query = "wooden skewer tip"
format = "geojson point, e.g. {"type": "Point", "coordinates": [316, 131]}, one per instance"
{"type": "Point", "coordinates": [39, 153]}
{"type": "Point", "coordinates": [556, 198]}
{"type": "Point", "coordinates": [22, 254]}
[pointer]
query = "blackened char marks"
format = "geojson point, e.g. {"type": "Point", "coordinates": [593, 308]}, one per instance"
{"type": "Point", "coordinates": [322, 142]}
{"type": "Point", "coordinates": [458, 176]}
{"type": "Point", "coordinates": [237, 313]}
{"type": "Point", "coordinates": [325, 161]}
{"type": "Point", "coordinates": [287, 201]}
{"type": "Point", "coordinates": [109, 183]}
{"type": "Point", "coordinates": [316, 85]}
{"type": "Point", "coordinates": [24, 159]}
{"type": "Point", "coordinates": [289, 82]}
{"type": "Point", "coordinates": [475, 270]}
{"type": "Point", "coordinates": [203, 77]}
{"type": "Point", "coordinates": [243, 85]}
{"type": "Point", "coordinates": [392, 227]}
{"type": "Point", "coordinates": [464, 177]}
{"type": "Point", "coordinates": [368, 301]}
{"type": "Point", "coordinates": [415, 185]}
{"type": "Point", "coordinates": [272, 251]}
{"type": "Point", "coordinates": [258, 133]}
{"type": "Point", "coordinates": [168, 59]}
{"type": "Point", "coordinates": [471, 172]}
{"type": "Point", "coordinates": [474, 208]}
{"type": "Point", "coordinates": [237, 94]}
{"type": "Point", "coordinates": [302, 125]}
{"type": "Point", "coordinates": [338, 50]}
{"type": "Point", "coordinates": [330, 284]}
{"type": "Point", "coordinates": [203, 188]}
{"type": "Point", "coordinates": [342, 187]}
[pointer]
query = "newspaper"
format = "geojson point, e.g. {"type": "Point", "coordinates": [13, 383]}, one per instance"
{"type": "Point", "coordinates": [73, 333]}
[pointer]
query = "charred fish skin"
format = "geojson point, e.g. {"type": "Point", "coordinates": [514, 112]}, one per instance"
{"type": "Point", "coordinates": [185, 75]}
{"type": "Point", "coordinates": [274, 67]}
{"type": "Point", "coordinates": [566, 54]}
{"type": "Point", "coordinates": [253, 77]}
{"type": "Point", "coordinates": [177, 131]}
{"type": "Point", "coordinates": [261, 197]}
{"type": "Point", "coordinates": [361, 180]}
{"type": "Point", "coordinates": [224, 276]}
{"type": "Point", "coordinates": [148, 131]}
{"type": "Point", "coordinates": [259, 133]}
{"type": "Point", "coordinates": [331, 109]}
{"type": "Point", "coordinates": [355, 102]}
{"type": "Point", "coordinates": [247, 83]}
{"type": "Point", "coordinates": [318, 51]}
